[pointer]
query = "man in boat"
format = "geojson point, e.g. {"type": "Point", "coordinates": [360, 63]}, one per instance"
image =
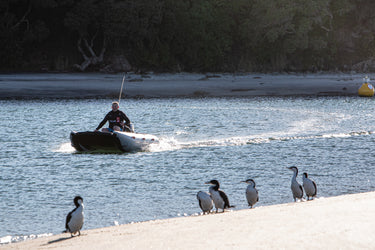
{"type": "Point", "coordinates": [116, 119]}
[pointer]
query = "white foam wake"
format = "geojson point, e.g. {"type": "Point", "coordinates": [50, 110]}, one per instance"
{"type": "Point", "coordinates": [65, 148]}
{"type": "Point", "coordinates": [168, 144]}
{"type": "Point", "coordinates": [171, 143]}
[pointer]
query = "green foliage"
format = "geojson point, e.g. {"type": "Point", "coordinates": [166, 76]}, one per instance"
{"type": "Point", "coordinates": [190, 35]}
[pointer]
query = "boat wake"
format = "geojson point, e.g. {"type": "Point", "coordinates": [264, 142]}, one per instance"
{"type": "Point", "coordinates": [65, 148]}
{"type": "Point", "coordinates": [169, 144]}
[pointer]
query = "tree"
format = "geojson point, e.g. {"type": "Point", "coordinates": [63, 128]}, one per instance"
{"type": "Point", "coordinates": [285, 29]}
{"type": "Point", "coordinates": [85, 19]}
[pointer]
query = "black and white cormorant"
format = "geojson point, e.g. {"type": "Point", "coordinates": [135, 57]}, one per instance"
{"type": "Point", "coordinates": [220, 199]}
{"type": "Point", "coordinates": [309, 186]}
{"type": "Point", "coordinates": [295, 186]}
{"type": "Point", "coordinates": [74, 219]}
{"type": "Point", "coordinates": [205, 202]}
{"type": "Point", "coordinates": [251, 193]}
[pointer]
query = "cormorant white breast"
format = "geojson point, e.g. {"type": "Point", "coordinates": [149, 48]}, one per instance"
{"type": "Point", "coordinates": [205, 202]}
{"type": "Point", "coordinates": [220, 199]}
{"type": "Point", "coordinates": [74, 220]}
{"type": "Point", "coordinates": [251, 193]}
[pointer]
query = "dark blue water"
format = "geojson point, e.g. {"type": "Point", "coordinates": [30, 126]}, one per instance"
{"type": "Point", "coordinates": [331, 138]}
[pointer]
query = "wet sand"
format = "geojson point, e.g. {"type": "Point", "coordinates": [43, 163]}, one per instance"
{"type": "Point", "coordinates": [343, 222]}
{"type": "Point", "coordinates": [177, 85]}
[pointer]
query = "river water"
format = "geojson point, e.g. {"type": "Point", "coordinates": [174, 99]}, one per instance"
{"type": "Point", "coordinates": [228, 139]}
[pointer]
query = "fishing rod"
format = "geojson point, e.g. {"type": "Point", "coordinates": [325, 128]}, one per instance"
{"type": "Point", "coordinates": [131, 126]}
{"type": "Point", "coordinates": [122, 84]}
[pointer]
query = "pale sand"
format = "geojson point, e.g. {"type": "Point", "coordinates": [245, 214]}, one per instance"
{"type": "Point", "coordinates": [343, 222]}
{"type": "Point", "coordinates": [177, 85]}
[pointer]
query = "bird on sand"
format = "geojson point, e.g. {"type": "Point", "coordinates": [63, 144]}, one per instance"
{"type": "Point", "coordinates": [220, 199]}
{"type": "Point", "coordinates": [309, 186]}
{"type": "Point", "coordinates": [75, 218]}
{"type": "Point", "coordinates": [251, 193]}
{"type": "Point", "coordinates": [295, 186]}
{"type": "Point", "coordinates": [205, 202]}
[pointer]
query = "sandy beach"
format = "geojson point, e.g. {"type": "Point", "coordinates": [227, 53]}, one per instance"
{"type": "Point", "coordinates": [93, 85]}
{"type": "Point", "coordinates": [343, 222]}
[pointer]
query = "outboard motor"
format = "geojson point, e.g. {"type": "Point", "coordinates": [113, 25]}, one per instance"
{"type": "Point", "coordinates": [132, 128]}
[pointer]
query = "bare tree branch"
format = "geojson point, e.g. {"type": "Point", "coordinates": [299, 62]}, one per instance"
{"type": "Point", "coordinates": [93, 59]}
{"type": "Point", "coordinates": [92, 39]}
{"type": "Point", "coordinates": [81, 50]}
{"type": "Point", "coordinates": [101, 56]}
{"type": "Point", "coordinates": [23, 19]}
{"type": "Point", "coordinates": [89, 48]}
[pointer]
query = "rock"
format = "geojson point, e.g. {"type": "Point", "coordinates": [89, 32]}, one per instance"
{"type": "Point", "coordinates": [118, 63]}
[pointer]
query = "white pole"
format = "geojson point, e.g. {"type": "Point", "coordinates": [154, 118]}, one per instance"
{"type": "Point", "coordinates": [119, 98]}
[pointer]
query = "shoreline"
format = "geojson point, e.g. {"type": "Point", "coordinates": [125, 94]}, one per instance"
{"type": "Point", "coordinates": [344, 222]}
{"type": "Point", "coordinates": [95, 85]}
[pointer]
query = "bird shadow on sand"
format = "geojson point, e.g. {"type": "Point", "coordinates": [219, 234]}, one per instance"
{"type": "Point", "coordinates": [60, 239]}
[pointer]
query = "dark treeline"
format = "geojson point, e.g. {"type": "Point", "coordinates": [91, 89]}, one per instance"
{"type": "Point", "coordinates": [187, 35]}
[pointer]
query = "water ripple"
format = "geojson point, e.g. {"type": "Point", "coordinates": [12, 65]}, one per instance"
{"type": "Point", "coordinates": [229, 139]}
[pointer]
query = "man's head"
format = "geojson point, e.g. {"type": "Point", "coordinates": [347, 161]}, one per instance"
{"type": "Point", "coordinates": [115, 106]}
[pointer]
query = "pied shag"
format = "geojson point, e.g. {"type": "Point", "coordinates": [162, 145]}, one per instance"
{"type": "Point", "coordinates": [205, 202]}
{"type": "Point", "coordinates": [251, 193]}
{"type": "Point", "coordinates": [309, 186]}
{"type": "Point", "coordinates": [74, 219]}
{"type": "Point", "coordinates": [218, 196]}
{"type": "Point", "coordinates": [295, 186]}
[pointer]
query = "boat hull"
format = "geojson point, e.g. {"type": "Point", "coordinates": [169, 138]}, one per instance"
{"type": "Point", "coordinates": [111, 142]}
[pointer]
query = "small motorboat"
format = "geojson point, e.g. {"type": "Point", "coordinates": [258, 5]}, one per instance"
{"type": "Point", "coordinates": [111, 141]}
